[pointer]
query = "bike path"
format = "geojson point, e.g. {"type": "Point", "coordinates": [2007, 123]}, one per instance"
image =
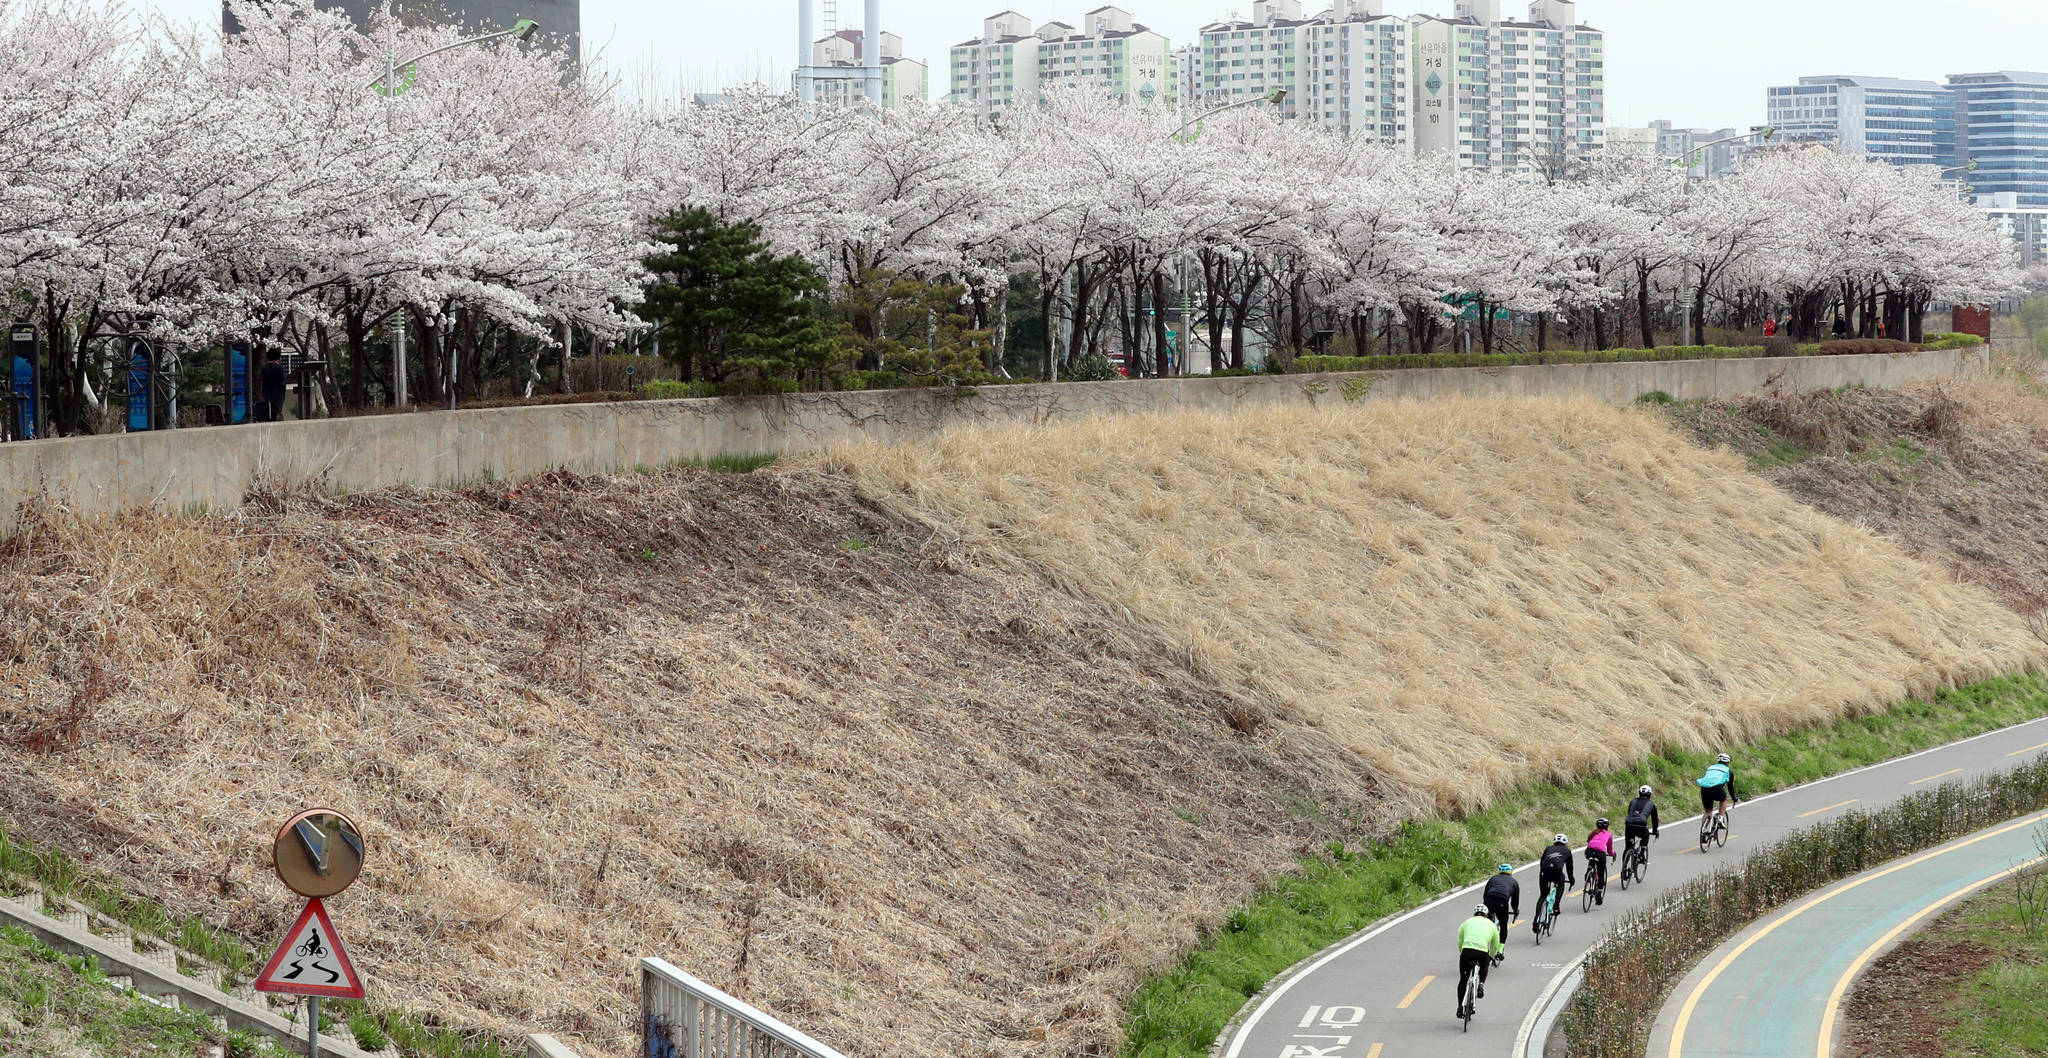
{"type": "Point", "coordinates": [1386, 992]}
{"type": "Point", "coordinates": [1777, 987]}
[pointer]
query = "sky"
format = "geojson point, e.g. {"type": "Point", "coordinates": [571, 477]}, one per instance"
{"type": "Point", "coordinates": [1699, 64]}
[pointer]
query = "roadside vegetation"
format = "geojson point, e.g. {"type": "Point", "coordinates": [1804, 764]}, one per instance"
{"type": "Point", "coordinates": [62, 1005]}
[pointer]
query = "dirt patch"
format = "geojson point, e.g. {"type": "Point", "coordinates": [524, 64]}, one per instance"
{"type": "Point", "coordinates": [747, 724]}
{"type": "Point", "coordinates": [1896, 1009]}
{"type": "Point", "coordinates": [1956, 473]}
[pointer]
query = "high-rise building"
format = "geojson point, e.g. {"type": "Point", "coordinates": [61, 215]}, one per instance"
{"type": "Point", "coordinates": [1346, 69]}
{"type": "Point", "coordinates": [2002, 126]}
{"type": "Point", "coordinates": [1886, 118]}
{"type": "Point", "coordinates": [903, 80]}
{"type": "Point", "coordinates": [1704, 153]}
{"type": "Point", "coordinates": [1012, 62]}
{"type": "Point", "coordinates": [1187, 75]}
{"type": "Point", "coordinates": [561, 21]}
{"type": "Point", "coordinates": [1506, 96]}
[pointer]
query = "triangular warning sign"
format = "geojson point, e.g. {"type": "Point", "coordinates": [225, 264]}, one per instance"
{"type": "Point", "coordinates": [311, 961]}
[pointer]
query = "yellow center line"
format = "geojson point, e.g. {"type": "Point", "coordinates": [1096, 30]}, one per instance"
{"type": "Point", "coordinates": [2029, 749]}
{"type": "Point", "coordinates": [1374, 1053]}
{"type": "Point", "coordinates": [1829, 808]}
{"type": "Point", "coordinates": [1416, 991]}
{"type": "Point", "coordinates": [1827, 1016]}
{"type": "Point", "coordinates": [1693, 1000]}
{"type": "Point", "coordinates": [1931, 778]}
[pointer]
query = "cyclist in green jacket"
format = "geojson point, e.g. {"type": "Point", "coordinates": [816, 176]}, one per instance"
{"type": "Point", "coordinates": [1478, 944]}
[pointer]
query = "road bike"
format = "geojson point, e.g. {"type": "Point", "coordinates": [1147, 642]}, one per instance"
{"type": "Point", "coordinates": [1713, 830]}
{"type": "Point", "coordinates": [1471, 999]}
{"type": "Point", "coordinates": [1594, 892]}
{"type": "Point", "coordinates": [1546, 915]}
{"type": "Point", "coordinates": [1635, 862]}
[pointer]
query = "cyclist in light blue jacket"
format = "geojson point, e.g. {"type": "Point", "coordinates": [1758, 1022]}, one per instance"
{"type": "Point", "coordinates": [1717, 788]}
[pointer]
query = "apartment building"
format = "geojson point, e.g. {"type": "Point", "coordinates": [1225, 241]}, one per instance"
{"type": "Point", "coordinates": [1013, 61]}
{"type": "Point", "coordinates": [1507, 96]}
{"type": "Point", "coordinates": [903, 80]}
{"type": "Point", "coordinates": [1345, 69]}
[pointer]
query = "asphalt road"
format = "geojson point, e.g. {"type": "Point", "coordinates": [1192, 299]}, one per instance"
{"type": "Point", "coordinates": [1787, 975]}
{"type": "Point", "coordinates": [1387, 992]}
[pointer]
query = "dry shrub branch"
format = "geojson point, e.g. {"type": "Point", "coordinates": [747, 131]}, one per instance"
{"type": "Point", "coordinates": [1468, 594]}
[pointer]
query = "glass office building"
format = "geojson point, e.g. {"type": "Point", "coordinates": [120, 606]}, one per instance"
{"type": "Point", "coordinates": [1886, 118]}
{"type": "Point", "coordinates": [2003, 119]}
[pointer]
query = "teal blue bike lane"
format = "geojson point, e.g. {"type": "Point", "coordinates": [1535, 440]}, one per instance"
{"type": "Point", "coordinates": [1776, 989]}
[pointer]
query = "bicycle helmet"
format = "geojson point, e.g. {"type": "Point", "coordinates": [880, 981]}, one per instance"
{"type": "Point", "coordinates": [1507, 868]}
{"type": "Point", "coordinates": [1722, 759]}
{"type": "Point", "coordinates": [1481, 910]}
{"type": "Point", "coordinates": [1562, 840]}
{"type": "Point", "coordinates": [1601, 823]}
{"type": "Point", "coordinates": [1644, 790]}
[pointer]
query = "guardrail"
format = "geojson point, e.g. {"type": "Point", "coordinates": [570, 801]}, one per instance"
{"type": "Point", "coordinates": [683, 1017]}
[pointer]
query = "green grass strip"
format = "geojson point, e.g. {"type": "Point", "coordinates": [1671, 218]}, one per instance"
{"type": "Point", "coordinates": [1179, 1013]}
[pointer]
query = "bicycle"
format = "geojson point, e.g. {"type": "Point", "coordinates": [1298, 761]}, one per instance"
{"type": "Point", "coordinates": [1546, 916]}
{"type": "Point", "coordinates": [1471, 998]}
{"type": "Point", "coordinates": [1635, 864]}
{"type": "Point", "coordinates": [1713, 830]}
{"type": "Point", "coordinates": [1592, 894]}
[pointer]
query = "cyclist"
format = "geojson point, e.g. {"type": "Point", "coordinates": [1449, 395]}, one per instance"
{"type": "Point", "coordinates": [1717, 787]}
{"type": "Point", "coordinates": [1553, 871]}
{"type": "Point", "coordinates": [1640, 825]}
{"type": "Point", "coordinates": [1478, 946]}
{"type": "Point", "coordinates": [1503, 899]}
{"type": "Point", "coordinates": [1599, 849]}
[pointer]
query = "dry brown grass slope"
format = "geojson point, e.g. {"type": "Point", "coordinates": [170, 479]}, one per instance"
{"type": "Point", "coordinates": [746, 724]}
{"type": "Point", "coordinates": [1468, 593]}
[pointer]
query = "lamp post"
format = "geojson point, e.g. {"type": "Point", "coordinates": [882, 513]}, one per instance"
{"type": "Point", "coordinates": [1187, 306]}
{"type": "Point", "coordinates": [1699, 154]}
{"type": "Point", "coordinates": [388, 85]}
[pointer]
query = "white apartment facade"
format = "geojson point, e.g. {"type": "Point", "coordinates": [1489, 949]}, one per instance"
{"type": "Point", "coordinates": [1014, 62]}
{"type": "Point", "coordinates": [1506, 96]}
{"type": "Point", "coordinates": [1345, 69]}
{"type": "Point", "coordinates": [903, 80]}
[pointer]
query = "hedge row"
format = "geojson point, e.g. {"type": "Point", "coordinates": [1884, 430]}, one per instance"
{"type": "Point", "coordinates": [1629, 974]}
{"type": "Point", "coordinates": [1843, 347]}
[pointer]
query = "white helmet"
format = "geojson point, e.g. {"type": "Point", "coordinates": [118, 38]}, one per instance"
{"type": "Point", "coordinates": [1722, 759]}
{"type": "Point", "coordinates": [1562, 840]}
{"type": "Point", "coordinates": [1481, 910]}
{"type": "Point", "coordinates": [1643, 789]}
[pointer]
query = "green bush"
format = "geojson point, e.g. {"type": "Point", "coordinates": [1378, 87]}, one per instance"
{"type": "Point", "coordinates": [1628, 975]}
{"type": "Point", "coordinates": [669, 389]}
{"type": "Point", "coordinates": [541, 400]}
{"type": "Point", "coordinates": [1864, 346]}
{"type": "Point", "coordinates": [1092, 369]}
{"type": "Point", "coordinates": [1954, 340]}
{"type": "Point", "coordinates": [1311, 364]}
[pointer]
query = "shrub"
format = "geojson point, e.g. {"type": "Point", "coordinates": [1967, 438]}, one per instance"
{"type": "Point", "coordinates": [1310, 364]}
{"type": "Point", "coordinates": [1856, 346]}
{"type": "Point", "coordinates": [540, 400]}
{"type": "Point", "coordinates": [669, 389]}
{"type": "Point", "coordinates": [1093, 369]}
{"type": "Point", "coordinates": [1628, 975]}
{"type": "Point", "coordinates": [1955, 341]}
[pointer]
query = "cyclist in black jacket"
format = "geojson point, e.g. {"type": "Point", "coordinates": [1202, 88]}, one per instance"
{"type": "Point", "coordinates": [1554, 871]}
{"type": "Point", "coordinates": [1640, 825]}
{"type": "Point", "coordinates": [1503, 898]}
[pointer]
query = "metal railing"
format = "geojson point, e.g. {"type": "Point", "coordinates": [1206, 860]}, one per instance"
{"type": "Point", "coordinates": [682, 1017]}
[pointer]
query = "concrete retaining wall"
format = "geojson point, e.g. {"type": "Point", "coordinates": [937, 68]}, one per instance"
{"type": "Point", "coordinates": [213, 468]}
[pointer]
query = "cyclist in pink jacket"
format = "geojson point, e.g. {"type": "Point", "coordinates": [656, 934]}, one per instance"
{"type": "Point", "coordinates": [1599, 849]}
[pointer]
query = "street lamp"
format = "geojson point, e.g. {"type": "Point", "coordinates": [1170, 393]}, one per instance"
{"type": "Point", "coordinates": [388, 85]}
{"type": "Point", "coordinates": [1187, 309]}
{"type": "Point", "coordinates": [1274, 97]}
